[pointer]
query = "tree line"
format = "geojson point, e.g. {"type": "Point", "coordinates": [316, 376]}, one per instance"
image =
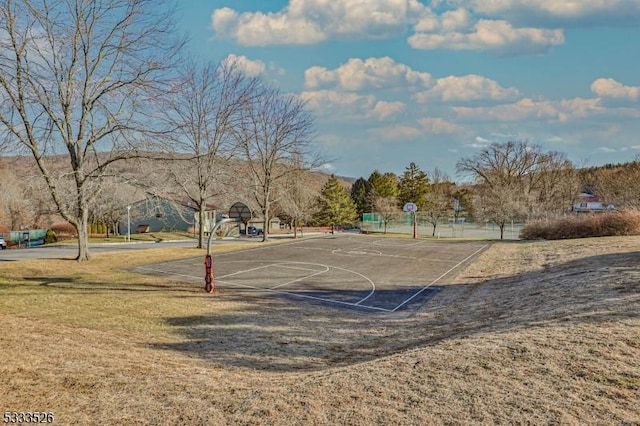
{"type": "Point", "coordinates": [511, 181]}
{"type": "Point", "coordinates": [107, 104]}
{"type": "Point", "coordinates": [88, 86]}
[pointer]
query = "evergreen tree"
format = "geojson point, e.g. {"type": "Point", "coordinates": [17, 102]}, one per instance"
{"type": "Point", "coordinates": [360, 196]}
{"type": "Point", "coordinates": [413, 187]}
{"type": "Point", "coordinates": [384, 185]}
{"type": "Point", "coordinates": [335, 206]}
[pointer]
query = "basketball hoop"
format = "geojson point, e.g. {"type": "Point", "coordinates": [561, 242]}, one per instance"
{"type": "Point", "coordinates": [412, 208]}
{"type": "Point", "coordinates": [240, 211]}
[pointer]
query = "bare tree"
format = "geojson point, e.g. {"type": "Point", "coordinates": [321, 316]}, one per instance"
{"type": "Point", "coordinates": [555, 186]}
{"type": "Point", "coordinates": [503, 163]}
{"type": "Point", "coordinates": [438, 202]}
{"type": "Point", "coordinates": [518, 176]}
{"type": "Point", "coordinates": [81, 76]}
{"type": "Point", "coordinates": [202, 113]}
{"type": "Point", "coordinates": [275, 131]}
{"type": "Point", "coordinates": [298, 197]}
{"type": "Point", "coordinates": [16, 207]}
{"type": "Point", "coordinates": [386, 207]}
{"type": "Point", "coordinates": [113, 207]}
{"type": "Point", "coordinates": [619, 184]}
{"type": "Point", "coordinates": [499, 204]}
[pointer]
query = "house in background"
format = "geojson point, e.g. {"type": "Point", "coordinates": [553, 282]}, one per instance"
{"type": "Point", "coordinates": [590, 203]}
{"type": "Point", "coordinates": [155, 214]}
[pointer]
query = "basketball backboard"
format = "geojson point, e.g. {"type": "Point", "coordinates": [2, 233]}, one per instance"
{"type": "Point", "coordinates": [240, 211]}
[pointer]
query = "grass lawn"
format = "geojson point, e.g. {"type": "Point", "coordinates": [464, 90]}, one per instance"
{"type": "Point", "coordinates": [531, 332]}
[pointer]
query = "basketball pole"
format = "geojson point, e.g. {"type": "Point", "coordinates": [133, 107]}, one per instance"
{"type": "Point", "coordinates": [209, 284]}
{"type": "Point", "coordinates": [237, 212]}
{"type": "Point", "coordinates": [415, 226]}
{"type": "Point", "coordinates": [412, 208]}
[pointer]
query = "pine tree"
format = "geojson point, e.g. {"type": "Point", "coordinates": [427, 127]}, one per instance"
{"type": "Point", "coordinates": [413, 187]}
{"type": "Point", "coordinates": [384, 185]}
{"type": "Point", "coordinates": [360, 196]}
{"type": "Point", "coordinates": [335, 206]}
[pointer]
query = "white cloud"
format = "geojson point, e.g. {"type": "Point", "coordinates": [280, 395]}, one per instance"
{"type": "Point", "coordinates": [384, 110]}
{"type": "Point", "coordinates": [350, 106]}
{"type": "Point", "coordinates": [452, 20]}
{"type": "Point", "coordinates": [313, 21]}
{"type": "Point", "coordinates": [610, 88]}
{"type": "Point", "coordinates": [495, 35]}
{"type": "Point", "coordinates": [566, 11]}
{"type": "Point", "coordinates": [467, 88]}
{"type": "Point", "coordinates": [606, 149]}
{"type": "Point", "coordinates": [528, 109]}
{"type": "Point", "coordinates": [437, 125]}
{"type": "Point", "coordinates": [276, 69]}
{"type": "Point", "coordinates": [326, 168]}
{"type": "Point", "coordinates": [248, 66]}
{"type": "Point", "coordinates": [337, 103]}
{"type": "Point", "coordinates": [479, 143]}
{"type": "Point", "coordinates": [357, 74]}
{"type": "Point", "coordinates": [262, 29]}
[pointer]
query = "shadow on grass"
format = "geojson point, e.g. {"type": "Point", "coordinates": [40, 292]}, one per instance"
{"type": "Point", "coordinates": [70, 283]}
{"type": "Point", "coordinates": [275, 333]}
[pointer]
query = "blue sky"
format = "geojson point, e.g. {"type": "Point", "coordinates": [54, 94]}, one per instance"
{"type": "Point", "coordinates": [397, 81]}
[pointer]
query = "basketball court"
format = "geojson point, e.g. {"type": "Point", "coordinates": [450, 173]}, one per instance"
{"type": "Point", "coordinates": [346, 271]}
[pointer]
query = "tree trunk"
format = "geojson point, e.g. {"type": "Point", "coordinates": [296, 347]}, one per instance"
{"type": "Point", "coordinates": [502, 231]}
{"type": "Point", "coordinates": [81, 222]}
{"type": "Point", "coordinates": [83, 241]}
{"type": "Point", "coordinates": [201, 229]}
{"type": "Point", "coordinates": [266, 211]}
{"type": "Point", "coordinates": [265, 230]}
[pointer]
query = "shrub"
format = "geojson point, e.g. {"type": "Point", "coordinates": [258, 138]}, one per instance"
{"type": "Point", "coordinates": [618, 223]}
{"type": "Point", "coordinates": [50, 238]}
{"type": "Point", "coordinates": [63, 230]}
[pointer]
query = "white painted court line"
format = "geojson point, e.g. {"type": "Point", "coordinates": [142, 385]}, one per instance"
{"type": "Point", "coordinates": [161, 271]}
{"type": "Point", "coordinates": [439, 278]}
{"type": "Point", "coordinates": [395, 243]}
{"type": "Point", "coordinates": [245, 271]}
{"type": "Point", "coordinates": [358, 304]}
{"type": "Point", "coordinates": [328, 267]}
{"type": "Point", "coordinates": [314, 248]}
{"type": "Point", "coordinates": [294, 267]}
{"type": "Point", "coordinates": [306, 296]}
{"type": "Point", "coordinates": [426, 259]}
{"type": "Point", "coordinates": [299, 279]}
{"type": "Point", "coordinates": [359, 252]}
{"type": "Point", "coordinates": [302, 296]}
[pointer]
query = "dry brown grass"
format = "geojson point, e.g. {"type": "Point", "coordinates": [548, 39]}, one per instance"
{"type": "Point", "coordinates": [609, 224]}
{"type": "Point", "coordinates": [530, 333]}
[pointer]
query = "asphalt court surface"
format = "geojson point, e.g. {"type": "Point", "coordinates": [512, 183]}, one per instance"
{"type": "Point", "coordinates": [366, 273]}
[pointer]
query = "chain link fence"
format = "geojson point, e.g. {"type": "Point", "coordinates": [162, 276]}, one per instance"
{"type": "Point", "coordinates": [25, 238]}
{"type": "Point", "coordinates": [402, 223]}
